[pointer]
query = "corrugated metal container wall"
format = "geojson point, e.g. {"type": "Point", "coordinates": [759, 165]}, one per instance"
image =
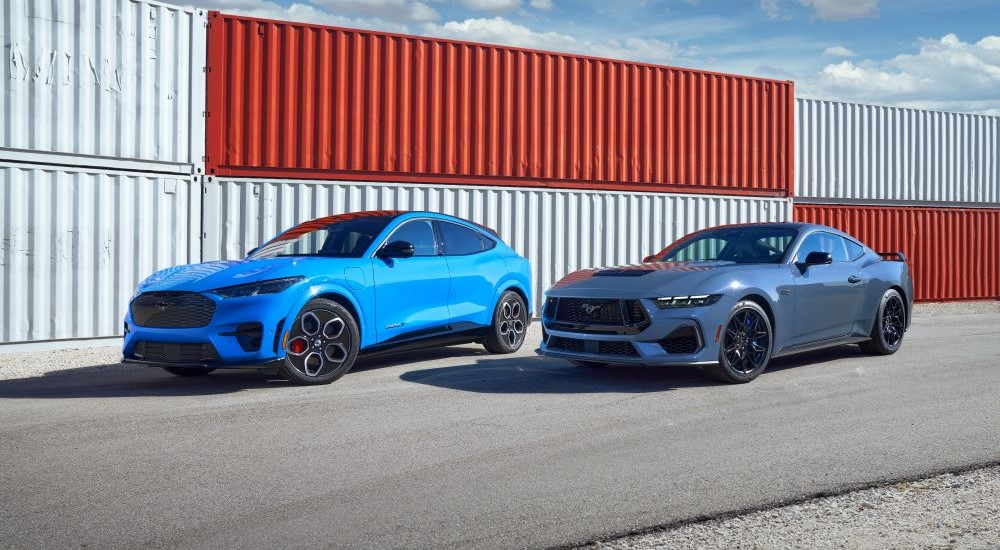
{"type": "Point", "coordinates": [305, 101]}
{"type": "Point", "coordinates": [118, 79]}
{"type": "Point", "coordinates": [954, 254]}
{"type": "Point", "coordinates": [856, 152]}
{"type": "Point", "coordinates": [74, 243]}
{"type": "Point", "coordinates": [558, 231]}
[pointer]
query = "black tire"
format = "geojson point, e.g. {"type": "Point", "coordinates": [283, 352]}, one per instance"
{"type": "Point", "coordinates": [187, 371]}
{"type": "Point", "coordinates": [889, 327]}
{"type": "Point", "coordinates": [322, 345]}
{"type": "Point", "coordinates": [510, 323]}
{"type": "Point", "coordinates": [589, 364]}
{"type": "Point", "coordinates": [743, 353]}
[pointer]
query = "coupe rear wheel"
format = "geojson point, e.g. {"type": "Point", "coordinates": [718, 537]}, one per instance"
{"type": "Point", "coordinates": [890, 324]}
{"type": "Point", "coordinates": [745, 348]}
{"type": "Point", "coordinates": [187, 371]}
{"type": "Point", "coordinates": [322, 343]}
{"type": "Point", "coordinates": [510, 322]}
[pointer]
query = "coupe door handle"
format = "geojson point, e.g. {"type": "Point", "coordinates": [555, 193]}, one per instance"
{"type": "Point", "coordinates": [854, 279]}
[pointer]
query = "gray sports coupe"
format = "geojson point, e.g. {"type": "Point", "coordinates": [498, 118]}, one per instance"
{"type": "Point", "coordinates": [728, 299]}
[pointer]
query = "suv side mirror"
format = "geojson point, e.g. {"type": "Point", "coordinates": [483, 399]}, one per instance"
{"type": "Point", "coordinates": [818, 258]}
{"type": "Point", "coordinates": [397, 249]}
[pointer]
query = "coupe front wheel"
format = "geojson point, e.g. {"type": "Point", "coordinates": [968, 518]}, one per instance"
{"type": "Point", "coordinates": [322, 344]}
{"type": "Point", "coordinates": [890, 324]}
{"type": "Point", "coordinates": [510, 322]}
{"type": "Point", "coordinates": [745, 348]}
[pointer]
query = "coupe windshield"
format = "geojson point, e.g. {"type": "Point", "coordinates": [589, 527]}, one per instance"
{"type": "Point", "coordinates": [745, 245]}
{"type": "Point", "coordinates": [343, 236]}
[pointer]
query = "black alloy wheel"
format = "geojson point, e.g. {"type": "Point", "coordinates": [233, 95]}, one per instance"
{"type": "Point", "coordinates": [322, 343]}
{"type": "Point", "coordinates": [745, 349]}
{"type": "Point", "coordinates": [889, 327]}
{"type": "Point", "coordinates": [510, 324]}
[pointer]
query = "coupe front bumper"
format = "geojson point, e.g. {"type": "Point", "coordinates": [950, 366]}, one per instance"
{"type": "Point", "coordinates": [654, 345]}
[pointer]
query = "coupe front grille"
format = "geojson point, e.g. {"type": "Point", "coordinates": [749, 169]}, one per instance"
{"type": "Point", "coordinates": [597, 315]}
{"type": "Point", "coordinates": [682, 341]}
{"type": "Point", "coordinates": [170, 352]}
{"type": "Point", "coordinates": [601, 347]}
{"type": "Point", "coordinates": [172, 310]}
{"type": "Point", "coordinates": [617, 348]}
{"type": "Point", "coordinates": [566, 344]}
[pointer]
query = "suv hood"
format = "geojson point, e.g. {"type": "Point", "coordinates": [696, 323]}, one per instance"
{"type": "Point", "coordinates": [211, 275]}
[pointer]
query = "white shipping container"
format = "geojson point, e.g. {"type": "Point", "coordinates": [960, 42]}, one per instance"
{"type": "Point", "coordinates": [559, 231]}
{"type": "Point", "coordinates": [75, 242]}
{"type": "Point", "coordinates": [104, 83]}
{"type": "Point", "coordinates": [857, 153]}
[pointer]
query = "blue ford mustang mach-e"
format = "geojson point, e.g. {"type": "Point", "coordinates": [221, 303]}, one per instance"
{"type": "Point", "coordinates": [310, 300]}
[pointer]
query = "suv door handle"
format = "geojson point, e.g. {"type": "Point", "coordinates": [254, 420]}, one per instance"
{"type": "Point", "coordinates": [854, 279]}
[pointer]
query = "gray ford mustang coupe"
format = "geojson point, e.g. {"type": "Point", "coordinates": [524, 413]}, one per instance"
{"type": "Point", "coordinates": [728, 299]}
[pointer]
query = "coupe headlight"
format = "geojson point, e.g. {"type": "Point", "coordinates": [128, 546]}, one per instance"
{"type": "Point", "coordinates": [667, 302]}
{"type": "Point", "coordinates": [256, 289]}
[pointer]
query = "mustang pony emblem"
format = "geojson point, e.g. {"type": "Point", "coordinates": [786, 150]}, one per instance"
{"type": "Point", "coordinates": [590, 309]}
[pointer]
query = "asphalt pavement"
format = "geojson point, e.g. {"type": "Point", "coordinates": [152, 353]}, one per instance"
{"type": "Point", "coordinates": [458, 448]}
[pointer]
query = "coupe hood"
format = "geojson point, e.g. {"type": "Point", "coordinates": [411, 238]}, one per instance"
{"type": "Point", "coordinates": [211, 275]}
{"type": "Point", "coordinates": [640, 279]}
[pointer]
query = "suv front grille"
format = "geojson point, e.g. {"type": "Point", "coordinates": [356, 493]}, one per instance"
{"type": "Point", "coordinates": [169, 352]}
{"type": "Point", "coordinates": [172, 310]}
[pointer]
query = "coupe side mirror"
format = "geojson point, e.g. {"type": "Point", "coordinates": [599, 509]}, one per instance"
{"type": "Point", "coordinates": [396, 249]}
{"type": "Point", "coordinates": [818, 258]}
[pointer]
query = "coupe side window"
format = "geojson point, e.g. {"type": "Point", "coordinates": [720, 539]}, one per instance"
{"type": "Point", "coordinates": [854, 250]}
{"type": "Point", "coordinates": [458, 240]}
{"type": "Point", "coordinates": [419, 233]}
{"type": "Point", "coordinates": [822, 242]}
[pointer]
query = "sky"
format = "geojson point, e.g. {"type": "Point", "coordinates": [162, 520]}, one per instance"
{"type": "Point", "coordinates": [933, 54]}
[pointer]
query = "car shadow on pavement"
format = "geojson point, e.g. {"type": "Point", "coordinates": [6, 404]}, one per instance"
{"type": "Point", "coordinates": [116, 381]}
{"type": "Point", "coordinates": [519, 375]}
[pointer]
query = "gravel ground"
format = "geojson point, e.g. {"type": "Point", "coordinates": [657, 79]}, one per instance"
{"type": "Point", "coordinates": [68, 361]}
{"type": "Point", "coordinates": [946, 511]}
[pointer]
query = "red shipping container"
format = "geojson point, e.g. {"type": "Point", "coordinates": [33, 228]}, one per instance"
{"type": "Point", "coordinates": [954, 254]}
{"type": "Point", "coordinates": [306, 101]}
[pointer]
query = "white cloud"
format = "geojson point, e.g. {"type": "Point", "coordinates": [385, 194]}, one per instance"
{"type": "Point", "coordinates": [498, 30]}
{"type": "Point", "coordinates": [542, 4]}
{"type": "Point", "coordinates": [770, 7]}
{"type": "Point", "coordinates": [946, 73]}
{"type": "Point", "coordinates": [390, 10]}
{"type": "Point", "coordinates": [840, 9]}
{"type": "Point", "coordinates": [839, 51]}
{"type": "Point", "coordinates": [492, 5]}
{"type": "Point", "coordinates": [385, 15]}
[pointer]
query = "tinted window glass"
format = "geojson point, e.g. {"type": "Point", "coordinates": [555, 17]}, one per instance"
{"type": "Point", "coordinates": [854, 250]}
{"type": "Point", "coordinates": [731, 244]}
{"type": "Point", "coordinates": [419, 233]}
{"type": "Point", "coordinates": [458, 240]}
{"type": "Point", "coordinates": [346, 236]}
{"type": "Point", "coordinates": [822, 242]}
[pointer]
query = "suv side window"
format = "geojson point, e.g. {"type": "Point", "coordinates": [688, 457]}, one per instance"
{"type": "Point", "coordinates": [822, 242]}
{"type": "Point", "coordinates": [458, 240]}
{"type": "Point", "coordinates": [419, 233]}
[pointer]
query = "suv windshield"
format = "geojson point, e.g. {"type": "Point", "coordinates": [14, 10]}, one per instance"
{"type": "Point", "coordinates": [342, 236]}
{"type": "Point", "coordinates": [745, 245]}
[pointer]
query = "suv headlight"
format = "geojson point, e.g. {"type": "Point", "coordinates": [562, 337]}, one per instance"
{"type": "Point", "coordinates": [270, 286]}
{"type": "Point", "coordinates": [667, 302]}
